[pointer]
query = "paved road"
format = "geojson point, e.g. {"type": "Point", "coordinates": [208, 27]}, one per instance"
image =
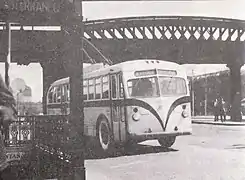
{"type": "Point", "coordinates": [211, 153]}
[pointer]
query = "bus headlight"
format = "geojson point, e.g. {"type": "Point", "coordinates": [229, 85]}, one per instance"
{"type": "Point", "coordinates": [136, 116]}
{"type": "Point", "coordinates": [184, 114]}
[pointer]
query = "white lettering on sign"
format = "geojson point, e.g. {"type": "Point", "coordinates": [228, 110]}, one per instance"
{"type": "Point", "coordinates": [14, 156]}
{"type": "Point", "coordinates": [47, 6]}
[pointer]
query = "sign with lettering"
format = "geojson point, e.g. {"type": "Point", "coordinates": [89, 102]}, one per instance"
{"type": "Point", "coordinates": [14, 156]}
{"type": "Point", "coordinates": [43, 6]}
{"type": "Point", "coordinates": [39, 10]}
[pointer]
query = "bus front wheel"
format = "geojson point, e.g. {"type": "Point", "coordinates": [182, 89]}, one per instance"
{"type": "Point", "coordinates": [104, 135]}
{"type": "Point", "coordinates": [167, 141]}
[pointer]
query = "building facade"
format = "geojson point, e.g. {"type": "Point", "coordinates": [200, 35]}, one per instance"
{"type": "Point", "coordinates": [206, 87]}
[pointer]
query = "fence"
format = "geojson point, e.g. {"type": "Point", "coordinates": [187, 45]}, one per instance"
{"type": "Point", "coordinates": [42, 144]}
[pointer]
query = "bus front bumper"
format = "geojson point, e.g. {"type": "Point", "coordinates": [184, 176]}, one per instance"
{"type": "Point", "coordinates": [152, 136]}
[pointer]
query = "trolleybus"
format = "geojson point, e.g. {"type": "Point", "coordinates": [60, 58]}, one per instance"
{"type": "Point", "coordinates": [132, 101]}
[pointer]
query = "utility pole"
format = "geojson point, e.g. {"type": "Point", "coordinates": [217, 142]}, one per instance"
{"type": "Point", "coordinates": [192, 93]}
{"type": "Point", "coordinates": [206, 94]}
{"type": "Point", "coordinates": [8, 59]}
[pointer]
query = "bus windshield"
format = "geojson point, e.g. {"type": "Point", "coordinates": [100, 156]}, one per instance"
{"type": "Point", "coordinates": [172, 86]}
{"type": "Point", "coordinates": [143, 87]}
{"type": "Point", "coordinates": [152, 86]}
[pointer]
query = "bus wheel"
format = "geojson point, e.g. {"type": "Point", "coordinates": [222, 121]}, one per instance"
{"type": "Point", "coordinates": [104, 135]}
{"type": "Point", "coordinates": [167, 141]}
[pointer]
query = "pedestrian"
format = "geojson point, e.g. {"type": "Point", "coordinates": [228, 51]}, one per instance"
{"type": "Point", "coordinates": [216, 111]}
{"type": "Point", "coordinates": [221, 109]}
{"type": "Point", "coordinates": [8, 113]}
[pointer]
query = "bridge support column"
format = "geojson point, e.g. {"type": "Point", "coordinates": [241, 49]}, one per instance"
{"type": "Point", "coordinates": [235, 92]}
{"type": "Point", "coordinates": [73, 62]}
{"type": "Point", "coordinates": [52, 71]}
{"type": "Point", "coordinates": [46, 82]}
{"type": "Point", "coordinates": [77, 117]}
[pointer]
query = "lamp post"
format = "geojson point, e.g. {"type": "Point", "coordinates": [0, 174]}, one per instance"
{"type": "Point", "coordinates": [17, 99]}
{"type": "Point", "coordinates": [8, 59]}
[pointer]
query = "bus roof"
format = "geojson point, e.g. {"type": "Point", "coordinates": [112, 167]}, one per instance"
{"type": "Point", "coordinates": [140, 64]}
{"type": "Point", "coordinates": [134, 65]}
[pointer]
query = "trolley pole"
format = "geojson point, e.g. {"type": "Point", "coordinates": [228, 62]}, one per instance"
{"type": "Point", "coordinates": [8, 59]}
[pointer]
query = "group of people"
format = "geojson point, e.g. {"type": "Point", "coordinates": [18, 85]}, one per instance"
{"type": "Point", "coordinates": [219, 109]}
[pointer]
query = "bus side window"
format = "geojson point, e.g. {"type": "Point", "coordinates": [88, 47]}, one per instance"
{"type": "Point", "coordinates": [114, 86]}
{"type": "Point", "coordinates": [50, 95]}
{"type": "Point", "coordinates": [91, 89]}
{"type": "Point", "coordinates": [98, 88]}
{"type": "Point", "coordinates": [85, 89]}
{"type": "Point", "coordinates": [105, 87]}
{"type": "Point", "coordinates": [55, 95]}
{"type": "Point", "coordinates": [68, 92]}
{"type": "Point", "coordinates": [63, 99]}
{"type": "Point", "coordinates": [59, 94]}
{"type": "Point", "coordinates": [65, 92]}
{"type": "Point", "coordinates": [130, 84]}
{"type": "Point", "coordinates": [121, 90]}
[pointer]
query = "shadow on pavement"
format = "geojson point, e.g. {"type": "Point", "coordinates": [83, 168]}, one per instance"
{"type": "Point", "coordinates": [127, 151]}
{"type": "Point", "coordinates": [17, 173]}
{"type": "Point", "coordinates": [237, 146]}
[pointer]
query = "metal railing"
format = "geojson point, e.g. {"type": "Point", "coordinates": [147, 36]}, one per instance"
{"type": "Point", "coordinates": [20, 132]}
{"type": "Point", "coordinates": [42, 143]}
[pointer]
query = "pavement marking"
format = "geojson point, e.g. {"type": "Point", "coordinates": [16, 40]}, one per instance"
{"type": "Point", "coordinates": [128, 164]}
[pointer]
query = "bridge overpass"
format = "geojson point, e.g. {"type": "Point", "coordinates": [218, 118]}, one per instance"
{"type": "Point", "coordinates": [59, 139]}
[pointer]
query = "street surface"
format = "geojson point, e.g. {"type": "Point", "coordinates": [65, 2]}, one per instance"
{"type": "Point", "coordinates": [211, 153]}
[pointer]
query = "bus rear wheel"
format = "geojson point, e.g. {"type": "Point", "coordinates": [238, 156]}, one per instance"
{"type": "Point", "coordinates": [167, 141]}
{"type": "Point", "coordinates": [104, 135]}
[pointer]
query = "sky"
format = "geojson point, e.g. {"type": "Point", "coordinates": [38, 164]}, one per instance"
{"type": "Point", "coordinates": [32, 74]}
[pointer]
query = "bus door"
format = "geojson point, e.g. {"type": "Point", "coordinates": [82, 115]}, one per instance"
{"type": "Point", "coordinates": [117, 108]}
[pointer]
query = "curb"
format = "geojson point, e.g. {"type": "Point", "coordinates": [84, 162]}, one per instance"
{"type": "Point", "coordinates": [206, 117]}
{"type": "Point", "coordinates": [217, 123]}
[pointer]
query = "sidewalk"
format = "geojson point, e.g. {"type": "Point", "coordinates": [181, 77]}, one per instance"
{"type": "Point", "coordinates": [210, 120]}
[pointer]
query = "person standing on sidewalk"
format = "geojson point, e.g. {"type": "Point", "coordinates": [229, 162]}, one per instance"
{"type": "Point", "coordinates": [221, 109]}
{"type": "Point", "coordinates": [216, 111]}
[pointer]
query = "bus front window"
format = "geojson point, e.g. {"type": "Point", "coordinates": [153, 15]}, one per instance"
{"type": "Point", "coordinates": [143, 87]}
{"type": "Point", "coordinates": [172, 86]}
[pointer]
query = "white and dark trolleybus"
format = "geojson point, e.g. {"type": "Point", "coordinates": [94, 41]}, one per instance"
{"type": "Point", "coordinates": [132, 101]}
